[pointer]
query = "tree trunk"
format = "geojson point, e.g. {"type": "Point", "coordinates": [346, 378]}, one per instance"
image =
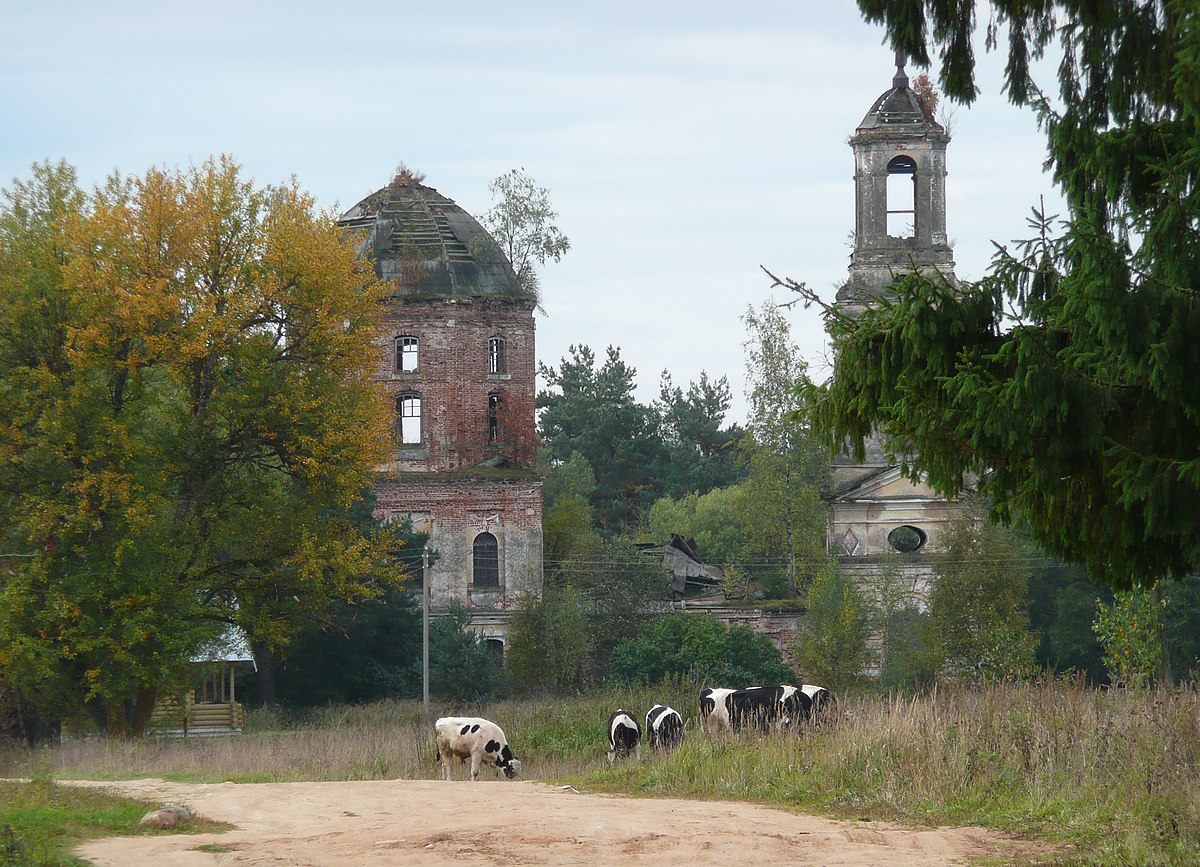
{"type": "Point", "coordinates": [143, 709]}
{"type": "Point", "coordinates": [266, 675]}
{"type": "Point", "coordinates": [1163, 675]}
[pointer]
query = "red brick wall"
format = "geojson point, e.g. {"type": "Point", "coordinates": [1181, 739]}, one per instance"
{"type": "Point", "coordinates": [457, 504]}
{"type": "Point", "coordinates": [454, 509]}
{"type": "Point", "coordinates": [453, 382]}
{"type": "Point", "coordinates": [434, 482]}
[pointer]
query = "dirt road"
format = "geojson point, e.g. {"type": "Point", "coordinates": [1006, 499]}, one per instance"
{"type": "Point", "coordinates": [499, 822]}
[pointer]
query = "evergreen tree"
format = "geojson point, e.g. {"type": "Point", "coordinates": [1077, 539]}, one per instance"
{"type": "Point", "coordinates": [701, 453]}
{"type": "Point", "coordinates": [592, 413]}
{"type": "Point", "coordinates": [1065, 379]}
{"type": "Point", "coordinates": [461, 670]}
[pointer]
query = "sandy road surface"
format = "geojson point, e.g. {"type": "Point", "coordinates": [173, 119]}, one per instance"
{"type": "Point", "coordinates": [499, 822]}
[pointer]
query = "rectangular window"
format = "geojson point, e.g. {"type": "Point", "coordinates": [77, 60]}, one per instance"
{"type": "Point", "coordinates": [407, 350]}
{"type": "Point", "coordinates": [493, 417]}
{"type": "Point", "coordinates": [496, 360]}
{"type": "Point", "coordinates": [408, 419]}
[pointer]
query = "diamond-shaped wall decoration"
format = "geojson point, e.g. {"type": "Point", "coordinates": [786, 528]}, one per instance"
{"type": "Point", "coordinates": [849, 542]}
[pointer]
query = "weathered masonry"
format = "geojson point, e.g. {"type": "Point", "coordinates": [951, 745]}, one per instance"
{"type": "Point", "coordinates": [458, 365]}
{"type": "Point", "coordinates": [900, 224]}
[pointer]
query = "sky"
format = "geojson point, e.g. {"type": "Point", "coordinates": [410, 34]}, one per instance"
{"type": "Point", "coordinates": [686, 145]}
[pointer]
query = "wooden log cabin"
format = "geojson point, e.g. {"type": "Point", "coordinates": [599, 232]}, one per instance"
{"type": "Point", "coordinates": [211, 705]}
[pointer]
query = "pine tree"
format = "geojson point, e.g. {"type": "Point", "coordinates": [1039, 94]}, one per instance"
{"type": "Point", "coordinates": [1066, 378]}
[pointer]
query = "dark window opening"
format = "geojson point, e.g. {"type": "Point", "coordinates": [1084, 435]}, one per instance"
{"type": "Point", "coordinates": [485, 561]}
{"type": "Point", "coordinates": [495, 651]}
{"type": "Point", "coordinates": [906, 539]}
{"type": "Point", "coordinates": [407, 354]}
{"type": "Point", "coordinates": [416, 576]}
{"type": "Point", "coordinates": [497, 363]}
{"type": "Point", "coordinates": [408, 419]}
{"type": "Point", "coordinates": [902, 197]}
{"type": "Point", "coordinates": [493, 417]}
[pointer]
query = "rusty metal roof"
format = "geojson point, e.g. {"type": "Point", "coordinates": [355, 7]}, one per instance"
{"type": "Point", "coordinates": [427, 245]}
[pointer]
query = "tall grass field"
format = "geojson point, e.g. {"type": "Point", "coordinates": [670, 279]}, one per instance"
{"type": "Point", "coordinates": [1108, 777]}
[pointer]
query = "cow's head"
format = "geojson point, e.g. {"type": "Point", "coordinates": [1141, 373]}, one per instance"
{"type": "Point", "coordinates": [510, 763]}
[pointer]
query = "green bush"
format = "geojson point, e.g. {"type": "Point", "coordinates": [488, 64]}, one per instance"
{"type": "Point", "coordinates": [700, 649]}
{"type": "Point", "coordinates": [831, 645]}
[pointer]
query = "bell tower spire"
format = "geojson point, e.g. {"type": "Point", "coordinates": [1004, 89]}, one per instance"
{"type": "Point", "coordinates": [900, 79]}
{"type": "Point", "coordinates": [900, 194]}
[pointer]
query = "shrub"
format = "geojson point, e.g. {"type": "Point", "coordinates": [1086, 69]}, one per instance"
{"type": "Point", "coordinates": [831, 645]}
{"type": "Point", "coordinates": [698, 648]}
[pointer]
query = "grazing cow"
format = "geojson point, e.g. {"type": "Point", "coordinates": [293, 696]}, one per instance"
{"type": "Point", "coordinates": [664, 727]}
{"type": "Point", "coordinates": [767, 707]}
{"type": "Point", "coordinates": [624, 736]}
{"type": "Point", "coordinates": [823, 702]}
{"type": "Point", "coordinates": [714, 713]}
{"type": "Point", "coordinates": [476, 739]}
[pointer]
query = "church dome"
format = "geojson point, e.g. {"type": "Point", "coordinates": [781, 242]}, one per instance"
{"type": "Point", "coordinates": [427, 245]}
{"type": "Point", "coordinates": [898, 109]}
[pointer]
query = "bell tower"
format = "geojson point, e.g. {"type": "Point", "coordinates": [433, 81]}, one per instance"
{"type": "Point", "coordinates": [875, 510]}
{"type": "Point", "coordinates": [900, 194]}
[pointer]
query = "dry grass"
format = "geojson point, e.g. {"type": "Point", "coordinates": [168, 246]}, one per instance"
{"type": "Point", "coordinates": [554, 738]}
{"type": "Point", "coordinates": [1114, 773]}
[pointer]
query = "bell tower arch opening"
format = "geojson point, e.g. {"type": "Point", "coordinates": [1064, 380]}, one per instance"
{"type": "Point", "coordinates": [901, 197]}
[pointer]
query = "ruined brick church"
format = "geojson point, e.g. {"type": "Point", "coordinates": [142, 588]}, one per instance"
{"type": "Point", "coordinates": [458, 365]}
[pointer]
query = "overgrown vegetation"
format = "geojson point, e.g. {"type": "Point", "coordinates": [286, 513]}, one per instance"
{"type": "Point", "coordinates": [41, 822]}
{"type": "Point", "coordinates": [696, 649]}
{"type": "Point", "coordinates": [1112, 775]}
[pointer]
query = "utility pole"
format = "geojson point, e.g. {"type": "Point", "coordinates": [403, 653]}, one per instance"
{"type": "Point", "coordinates": [425, 629]}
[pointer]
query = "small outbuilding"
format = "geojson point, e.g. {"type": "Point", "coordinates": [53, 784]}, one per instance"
{"type": "Point", "coordinates": [211, 706]}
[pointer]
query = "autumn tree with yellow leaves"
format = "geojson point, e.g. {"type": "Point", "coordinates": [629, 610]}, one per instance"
{"type": "Point", "coordinates": [187, 418]}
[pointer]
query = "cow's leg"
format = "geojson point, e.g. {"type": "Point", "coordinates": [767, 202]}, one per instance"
{"type": "Point", "coordinates": [476, 756]}
{"type": "Point", "coordinates": [445, 765]}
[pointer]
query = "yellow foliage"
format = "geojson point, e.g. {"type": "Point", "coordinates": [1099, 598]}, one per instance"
{"type": "Point", "coordinates": [185, 403]}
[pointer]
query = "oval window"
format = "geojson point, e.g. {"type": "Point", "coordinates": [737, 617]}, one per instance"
{"type": "Point", "coordinates": [906, 539]}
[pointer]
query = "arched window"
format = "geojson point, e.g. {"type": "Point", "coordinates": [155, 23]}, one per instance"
{"type": "Point", "coordinates": [495, 650]}
{"type": "Point", "coordinates": [902, 197]}
{"type": "Point", "coordinates": [408, 419]}
{"type": "Point", "coordinates": [485, 561]}
{"type": "Point", "coordinates": [497, 363]}
{"type": "Point", "coordinates": [408, 350]}
{"type": "Point", "coordinates": [493, 417]}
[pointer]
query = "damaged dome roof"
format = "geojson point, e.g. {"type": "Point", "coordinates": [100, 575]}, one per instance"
{"type": "Point", "coordinates": [427, 245]}
{"type": "Point", "coordinates": [898, 108]}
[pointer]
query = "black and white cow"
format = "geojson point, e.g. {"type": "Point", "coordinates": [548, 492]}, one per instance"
{"type": "Point", "coordinates": [767, 708]}
{"type": "Point", "coordinates": [476, 739]}
{"type": "Point", "coordinates": [714, 714]}
{"type": "Point", "coordinates": [624, 735]}
{"type": "Point", "coordinates": [664, 727]}
{"type": "Point", "coordinates": [823, 702]}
